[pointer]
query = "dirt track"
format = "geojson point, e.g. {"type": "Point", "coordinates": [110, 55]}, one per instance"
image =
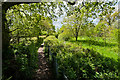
{"type": "Point", "coordinates": [44, 72]}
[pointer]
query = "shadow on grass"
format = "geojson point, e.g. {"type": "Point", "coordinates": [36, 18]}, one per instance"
{"type": "Point", "coordinates": [97, 43]}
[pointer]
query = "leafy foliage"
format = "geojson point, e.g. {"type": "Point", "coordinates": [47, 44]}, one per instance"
{"type": "Point", "coordinates": [35, 19]}
{"type": "Point", "coordinates": [79, 63]}
{"type": "Point", "coordinates": [64, 36]}
{"type": "Point", "coordinates": [52, 42]}
{"type": "Point", "coordinates": [26, 58]}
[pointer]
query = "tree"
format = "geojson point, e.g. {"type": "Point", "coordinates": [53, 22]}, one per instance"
{"type": "Point", "coordinates": [20, 15]}
{"type": "Point", "coordinates": [65, 33]}
{"type": "Point", "coordinates": [92, 10]}
{"type": "Point", "coordinates": [5, 29]}
{"type": "Point", "coordinates": [74, 23]}
{"type": "Point", "coordinates": [28, 20]}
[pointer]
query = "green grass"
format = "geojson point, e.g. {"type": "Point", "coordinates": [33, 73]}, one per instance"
{"type": "Point", "coordinates": [110, 49]}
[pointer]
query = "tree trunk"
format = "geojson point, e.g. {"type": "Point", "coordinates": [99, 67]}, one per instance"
{"type": "Point", "coordinates": [76, 35]}
{"type": "Point", "coordinates": [76, 38]}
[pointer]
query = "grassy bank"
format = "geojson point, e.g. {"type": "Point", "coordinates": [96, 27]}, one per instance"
{"type": "Point", "coordinates": [108, 49]}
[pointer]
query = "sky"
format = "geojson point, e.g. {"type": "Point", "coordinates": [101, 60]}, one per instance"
{"type": "Point", "coordinates": [60, 19]}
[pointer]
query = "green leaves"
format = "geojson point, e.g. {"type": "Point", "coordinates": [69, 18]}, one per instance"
{"type": "Point", "coordinates": [53, 42]}
{"type": "Point", "coordinates": [29, 19]}
{"type": "Point", "coordinates": [78, 65]}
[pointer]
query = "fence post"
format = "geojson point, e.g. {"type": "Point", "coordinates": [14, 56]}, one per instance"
{"type": "Point", "coordinates": [54, 61]}
{"type": "Point", "coordinates": [48, 50]}
{"type": "Point", "coordinates": [55, 65]}
{"type": "Point", "coordinates": [50, 54]}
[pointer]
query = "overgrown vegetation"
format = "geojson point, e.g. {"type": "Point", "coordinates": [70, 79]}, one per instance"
{"type": "Point", "coordinates": [83, 48]}
{"type": "Point", "coordinates": [77, 62]}
{"type": "Point", "coordinates": [25, 59]}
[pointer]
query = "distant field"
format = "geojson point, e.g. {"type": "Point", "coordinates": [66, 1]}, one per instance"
{"type": "Point", "coordinates": [110, 49]}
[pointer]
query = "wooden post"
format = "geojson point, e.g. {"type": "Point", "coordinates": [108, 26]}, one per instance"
{"type": "Point", "coordinates": [55, 65]}
{"type": "Point", "coordinates": [48, 50]}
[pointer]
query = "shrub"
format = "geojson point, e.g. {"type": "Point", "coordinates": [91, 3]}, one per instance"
{"type": "Point", "coordinates": [26, 60]}
{"type": "Point", "coordinates": [64, 36]}
{"type": "Point", "coordinates": [39, 41]}
{"type": "Point", "coordinates": [85, 64]}
{"type": "Point", "coordinates": [44, 32]}
{"type": "Point", "coordinates": [53, 42]}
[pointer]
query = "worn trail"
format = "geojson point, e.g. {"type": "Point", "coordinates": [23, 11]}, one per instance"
{"type": "Point", "coordinates": [44, 72]}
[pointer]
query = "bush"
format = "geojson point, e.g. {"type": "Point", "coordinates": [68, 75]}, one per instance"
{"type": "Point", "coordinates": [39, 42]}
{"type": "Point", "coordinates": [26, 60]}
{"type": "Point", "coordinates": [53, 42]}
{"type": "Point", "coordinates": [56, 35]}
{"type": "Point", "coordinates": [64, 36]}
{"type": "Point", "coordinates": [44, 32]}
{"type": "Point", "coordinates": [77, 64]}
